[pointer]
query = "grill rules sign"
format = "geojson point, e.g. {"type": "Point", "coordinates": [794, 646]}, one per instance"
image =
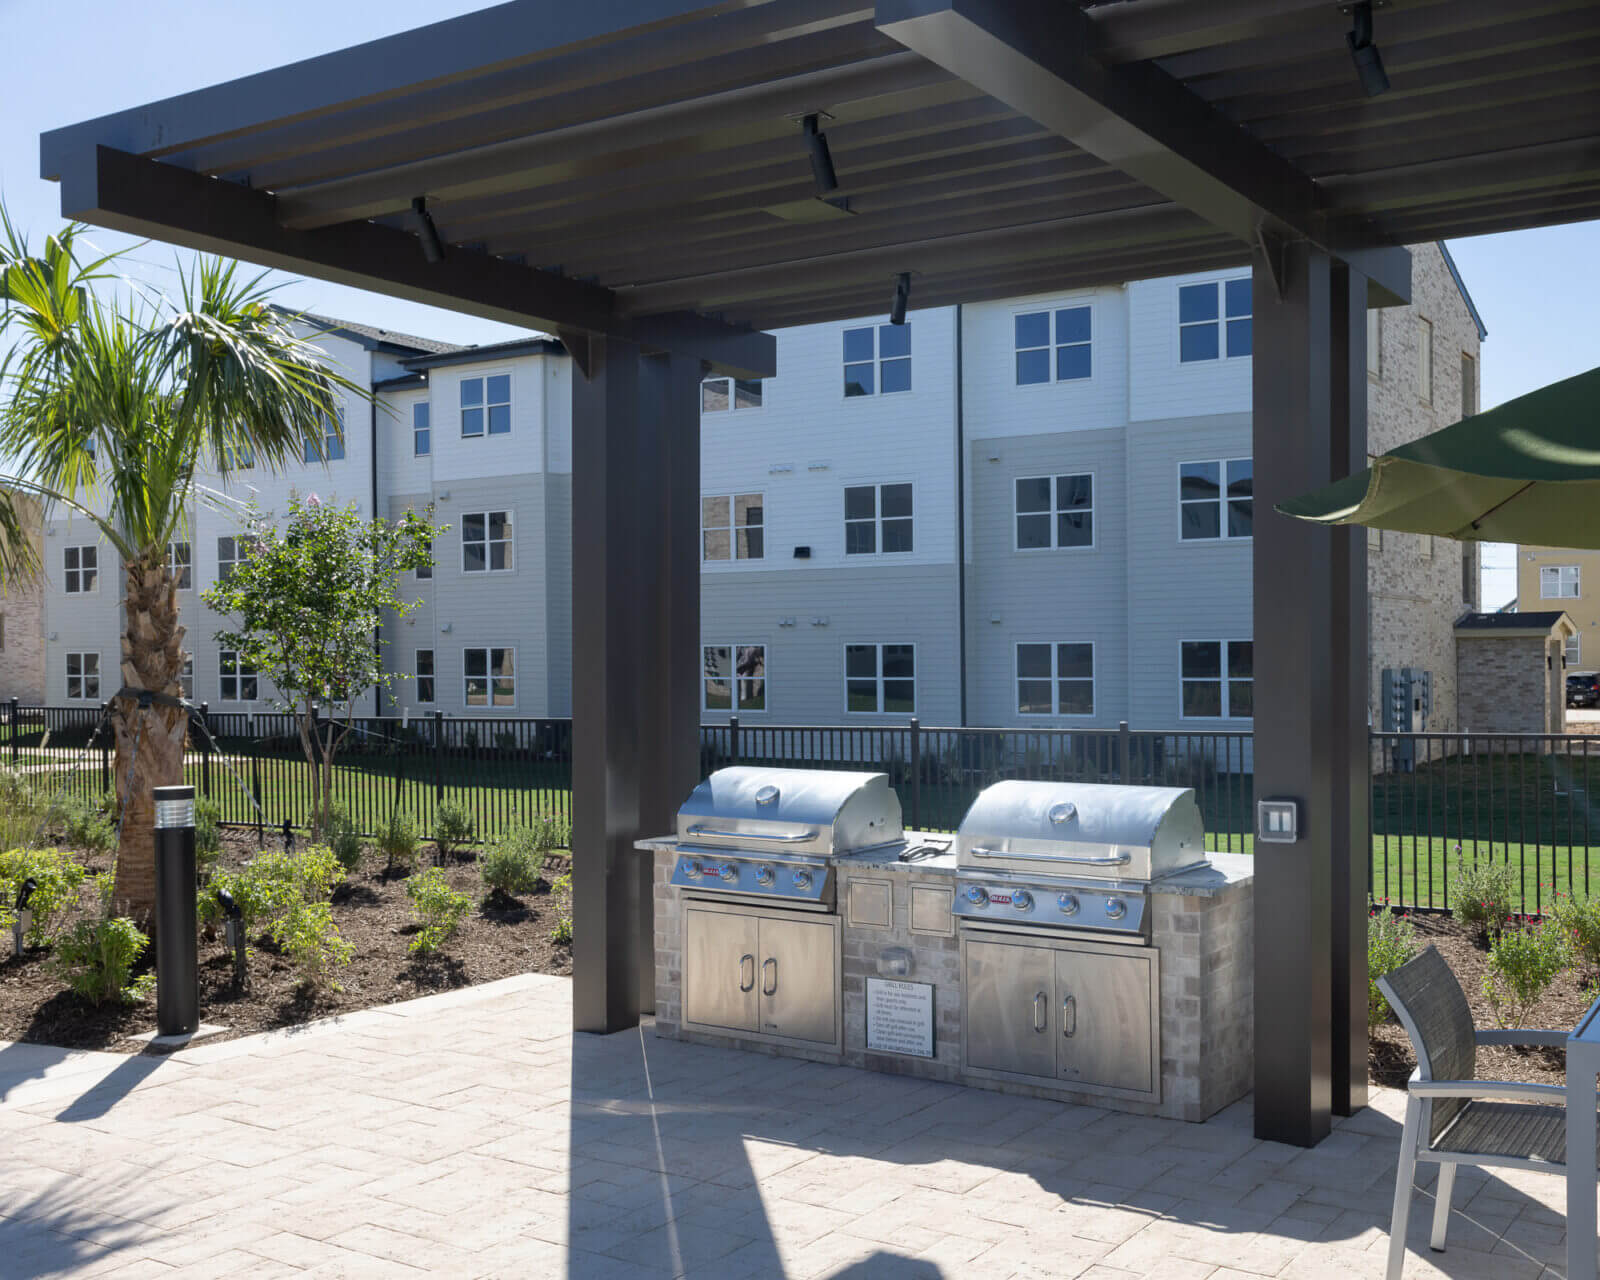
{"type": "Point", "coordinates": [900, 1017]}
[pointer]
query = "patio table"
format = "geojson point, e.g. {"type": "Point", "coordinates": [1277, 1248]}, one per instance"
{"type": "Point", "coordinates": [1583, 1065]}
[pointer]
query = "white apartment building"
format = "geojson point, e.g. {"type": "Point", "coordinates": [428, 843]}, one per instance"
{"type": "Point", "coordinates": [1029, 512]}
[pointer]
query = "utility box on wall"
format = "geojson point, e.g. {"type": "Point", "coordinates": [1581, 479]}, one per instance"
{"type": "Point", "coordinates": [1407, 704]}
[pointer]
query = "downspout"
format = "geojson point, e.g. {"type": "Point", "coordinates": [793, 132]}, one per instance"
{"type": "Point", "coordinates": [377, 631]}
{"type": "Point", "coordinates": [961, 522]}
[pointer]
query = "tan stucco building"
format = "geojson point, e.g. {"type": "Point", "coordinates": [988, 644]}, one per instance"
{"type": "Point", "coordinates": [1553, 578]}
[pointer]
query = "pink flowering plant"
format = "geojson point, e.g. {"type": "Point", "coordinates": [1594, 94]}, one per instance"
{"type": "Point", "coordinates": [1485, 892]}
{"type": "Point", "coordinates": [1579, 919]}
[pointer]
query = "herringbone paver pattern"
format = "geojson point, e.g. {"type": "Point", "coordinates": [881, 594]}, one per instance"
{"type": "Point", "coordinates": [473, 1135]}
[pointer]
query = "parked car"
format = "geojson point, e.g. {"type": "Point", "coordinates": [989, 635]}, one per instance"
{"type": "Point", "coordinates": [1583, 689]}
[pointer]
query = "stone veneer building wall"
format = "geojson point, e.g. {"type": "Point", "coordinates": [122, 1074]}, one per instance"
{"type": "Point", "coordinates": [22, 626]}
{"type": "Point", "coordinates": [1512, 683]}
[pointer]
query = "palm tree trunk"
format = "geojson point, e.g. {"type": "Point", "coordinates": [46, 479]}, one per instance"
{"type": "Point", "coordinates": [149, 740]}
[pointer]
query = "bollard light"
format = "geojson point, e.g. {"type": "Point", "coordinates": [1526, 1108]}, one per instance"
{"type": "Point", "coordinates": [177, 948]}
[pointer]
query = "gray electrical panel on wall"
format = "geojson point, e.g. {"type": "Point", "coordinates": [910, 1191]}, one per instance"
{"type": "Point", "coordinates": [1407, 704]}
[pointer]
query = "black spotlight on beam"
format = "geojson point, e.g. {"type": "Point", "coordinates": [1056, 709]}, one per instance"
{"type": "Point", "coordinates": [902, 295]}
{"type": "Point", "coordinates": [1369, 63]}
{"type": "Point", "coordinates": [432, 246]}
{"type": "Point", "coordinates": [821, 158]}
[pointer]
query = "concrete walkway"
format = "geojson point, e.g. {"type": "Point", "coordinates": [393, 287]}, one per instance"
{"type": "Point", "coordinates": [471, 1134]}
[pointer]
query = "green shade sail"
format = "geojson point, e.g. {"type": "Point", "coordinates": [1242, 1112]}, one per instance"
{"type": "Point", "coordinates": [1527, 471]}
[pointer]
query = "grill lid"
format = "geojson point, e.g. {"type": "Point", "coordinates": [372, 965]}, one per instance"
{"type": "Point", "coordinates": [1112, 832]}
{"type": "Point", "coordinates": [777, 811]}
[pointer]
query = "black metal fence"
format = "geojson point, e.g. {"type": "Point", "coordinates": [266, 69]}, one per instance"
{"type": "Point", "coordinates": [1439, 802]}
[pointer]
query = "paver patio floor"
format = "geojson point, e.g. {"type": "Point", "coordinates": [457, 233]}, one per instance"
{"type": "Point", "coordinates": [473, 1135]}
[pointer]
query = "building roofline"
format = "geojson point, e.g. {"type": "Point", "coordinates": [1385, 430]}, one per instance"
{"type": "Point", "coordinates": [1472, 307]}
{"type": "Point", "coordinates": [370, 337]}
{"type": "Point", "coordinates": [1541, 623]}
{"type": "Point", "coordinates": [540, 346]}
{"type": "Point", "coordinates": [401, 382]}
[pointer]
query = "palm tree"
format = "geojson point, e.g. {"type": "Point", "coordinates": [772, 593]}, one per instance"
{"type": "Point", "coordinates": [107, 408]}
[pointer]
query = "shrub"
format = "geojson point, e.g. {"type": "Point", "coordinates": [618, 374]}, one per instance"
{"type": "Point", "coordinates": [1580, 922]}
{"type": "Point", "coordinates": [272, 885]}
{"type": "Point", "coordinates": [398, 840]}
{"type": "Point", "coordinates": [561, 935]}
{"type": "Point", "coordinates": [1485, 893]}
{"type": "Point", "coordinates": [84, 826]}
{"type": "Point", "coordinates": [207, 832]}
{"type": "Point", "coordinates": [24, 809]}
{"type": "Point", "coordinates": [438, 907]}
{"type": "Point", "coordinates": [1391, 941]}
{"type": "Point", "coordinates": [452, 828]}
{"type": "Point", "coordinates": [1522, 964]}
{"type": "Point", "coordinates": [95, 957]}
{"type": "Point", "coordinates": [510, 868]}
{"type": "Point", "coordinates": [310, 940]}
{"type": "Point", "coordinates": [343, 839]}
{"type": "Point", "coordinates": [56, 876]}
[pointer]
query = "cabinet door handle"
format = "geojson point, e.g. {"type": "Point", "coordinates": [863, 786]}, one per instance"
{"type": "Point", "coordinates": [1039, 1003]}
{"type": "Point", "coordinates": [745, 984]}
{"type": "Point", "coordinates": [1069, 1017]}
{"type": "Point", "coordinates": [769, 990]}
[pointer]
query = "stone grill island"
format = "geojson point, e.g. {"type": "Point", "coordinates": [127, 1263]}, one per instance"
{"type": "Point", "coordinates": [1072, 941]}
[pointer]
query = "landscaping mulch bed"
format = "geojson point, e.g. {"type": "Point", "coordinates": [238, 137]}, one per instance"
{"type": "Point", "coordinates": [1390, 1059]}
{"type": "Point", "coordinates": [496, 940]}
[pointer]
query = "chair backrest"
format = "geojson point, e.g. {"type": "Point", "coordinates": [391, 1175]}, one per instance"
{"type": "Point", "coordinates": [1434, 1011]}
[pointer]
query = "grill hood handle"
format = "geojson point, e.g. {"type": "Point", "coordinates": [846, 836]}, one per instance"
{"type": "Point", "coordinates": [797, 837]}
{"type": "Point", "coordinates": [1104, 860]}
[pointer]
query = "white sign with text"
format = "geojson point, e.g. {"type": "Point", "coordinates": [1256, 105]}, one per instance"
{"type": "Point", "coordinates": [900, 1017]}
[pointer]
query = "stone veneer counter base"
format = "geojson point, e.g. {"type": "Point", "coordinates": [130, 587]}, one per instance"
{"type": "Point", "coordinates": [1200, 925]}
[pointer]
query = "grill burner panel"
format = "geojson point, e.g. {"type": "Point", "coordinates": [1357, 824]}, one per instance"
{"type": "Point", "coordinates": [1055, 904]}
{"type": "Point", "coordinates": [794, 880]}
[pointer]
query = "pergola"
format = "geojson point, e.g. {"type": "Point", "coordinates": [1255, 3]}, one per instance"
{"type": "Point", "coordinates": [633, 176]}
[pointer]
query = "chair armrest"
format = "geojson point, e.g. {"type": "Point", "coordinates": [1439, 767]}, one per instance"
{"type": "Point", "coordinates": [1487, 1089]}
{"type": "Point", "coordinates": [1524, 1035]}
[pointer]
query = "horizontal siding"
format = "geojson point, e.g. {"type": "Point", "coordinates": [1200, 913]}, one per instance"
{"type": "Point", "coordinates": [1161, 386]}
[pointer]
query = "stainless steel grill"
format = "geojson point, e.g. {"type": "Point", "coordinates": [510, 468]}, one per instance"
{"type": "Point", "coordinates": [1058, 855]}
{"type": "Point", "coordinates": [772, 834]}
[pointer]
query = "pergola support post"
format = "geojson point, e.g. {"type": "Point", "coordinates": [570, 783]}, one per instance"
{"type": "Point", "coordinates": [635, 631]}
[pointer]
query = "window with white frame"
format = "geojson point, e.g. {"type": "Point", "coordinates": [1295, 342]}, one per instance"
{"type": "Point", "coordinates": [180, 564]}
{"type": "Point", "coordinates": [1216, 499]}
{"type": "Point", "coordinates": [328, 444]}
{"type": "Point", "coordinates": [186, 678]}
{"type": "Point", "coordinates": [83, 677]}
{"type": "Point", "coordinates": [733, 677]}
{"type": "Point", "coordinates": [732, 527]}
{"type": "Point", "coordinates": [1558, 582]}
{"type": "Point", "coordinates": [486, 542]}
{"type": "Point", "coordinates": [1214, 320]}
{"type": "Point", "coordinates": [1055, 511]}
{"type": "Point", "coordinates": [880, 678]}
{"type": "Point", "coordinates": [1572, 652]}
{"type": "Point", "coordinates": [1062, 355]}
{"type": "Point", "coordinates": [877, 360]}
{"type": "Point", "coordinates": [237, 458]}
{"type": "Point", "coordinates": [424, 675]}
{"type": "Point", "coordinates": [1375, 344]}
{"type": "Point", "coordinates": [237, 680]}
{"type": "Point", "coordinates": [1055, 679]}
{"type": "Point", "coordinates": [877, 519]}
{"type": "Point", "coordinates": [82, 569]}
{"type": "Point", "coordinates": [1217, 679]}
{"type": "Point", "coordinates": [1425, 360]}
{"type": "Point", "coordinates": [486, 405]}
{"type": "Point", "coordinates": [232, 551]}
{"type": "Point", "coordinates": [489, 677]}
{"type": "Point", "coordinates": [718, 395]}
{"type": "Point", "coordinates": [1469, 385]}
{"type": "Point", "coordinates": [421, 429]}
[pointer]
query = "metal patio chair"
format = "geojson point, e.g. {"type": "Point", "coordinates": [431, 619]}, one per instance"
{"type": "Point", "coordinates": [1452, 1117]}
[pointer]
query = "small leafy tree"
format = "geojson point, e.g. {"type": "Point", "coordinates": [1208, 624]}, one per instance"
{"type": "Point", "coordinates": [306, 606]}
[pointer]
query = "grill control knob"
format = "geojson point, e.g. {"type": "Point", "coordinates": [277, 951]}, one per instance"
{"type": "Point", "coordinates": [1068, 904]}
{"type": "Point", "coordinates": [692, 869]}
{"type": "Point", "coordinates": [1116, 908]}
{"type": "Point", "coordinates": [1022, 900]}
{"type": "Point", "coordinates": [764, 875]}
{"type": "Point", "coordinates": [729, 871]}
{"type": "Point", "coordinates": [977, 895]}
{"type": "Point", "coordinates": [802, 879]}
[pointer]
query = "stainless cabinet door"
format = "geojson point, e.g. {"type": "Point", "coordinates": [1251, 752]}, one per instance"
{"type": "Point", "coordinates": [1010, 1008]}
{"type": "Point", "coordinates": [797, 979]}
{"type": "Point", "coordinates": [720, 969]}
{"type": "Point", "coordinates": [1103, 1012]}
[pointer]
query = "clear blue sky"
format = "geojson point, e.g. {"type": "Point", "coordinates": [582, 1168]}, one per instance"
{"type": "Point", "coordinates": [70, 62]}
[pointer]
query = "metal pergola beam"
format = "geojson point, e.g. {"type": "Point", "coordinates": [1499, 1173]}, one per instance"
{"type": "Point", "coordinates": [147, 198]}
{"type": "Point", "coordinates": [1040, 57]}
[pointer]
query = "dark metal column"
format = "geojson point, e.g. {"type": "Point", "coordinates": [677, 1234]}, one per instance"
{"type": "Point", "coordinates": [1296, 612]}
{"type": "Point", "coordinates": [1350, 672]}
{"type": "Point", "coordinates": [611, 635]}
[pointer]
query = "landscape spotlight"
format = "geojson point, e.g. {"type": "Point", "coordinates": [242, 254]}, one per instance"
{"type": "Point", "coordinates": [902, 295]}
{"type": "Point", "coordinates": [432, 246]}
{"type": "Point", "coordinates": [821, 157]}
{"type": "Point", "coordinates": [1369, 64]}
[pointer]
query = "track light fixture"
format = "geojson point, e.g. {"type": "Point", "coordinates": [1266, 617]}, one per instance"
{"type": "Point", "coordinates": [902, 295]}
{"type": "Point", "coordinates": [432, 246]}
{"type": "Point", "coordinates": [1369, 63]}
{"type": "Point", "coordinates": [821, 158]}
